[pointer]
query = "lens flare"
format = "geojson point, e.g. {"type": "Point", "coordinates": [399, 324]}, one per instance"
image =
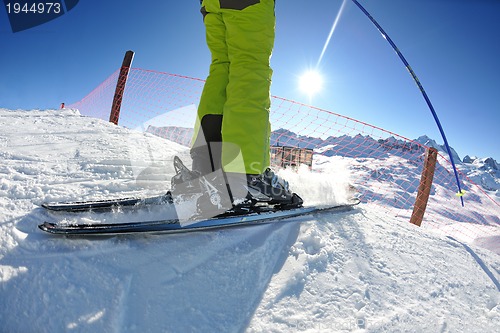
{"type": "Point", "coordinates": [335, 22]}
{"type": "Point", "coordinates": [311, 82]}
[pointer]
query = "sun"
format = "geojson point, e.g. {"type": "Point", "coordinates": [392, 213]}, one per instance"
{"type": "Point", "coordinates": [311, 82]}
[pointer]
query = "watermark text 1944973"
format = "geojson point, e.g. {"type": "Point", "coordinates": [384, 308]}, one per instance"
{"type": "Point", "coordinates": [26, 14]}
{"type": "Point", "coordinates": [33, 8]}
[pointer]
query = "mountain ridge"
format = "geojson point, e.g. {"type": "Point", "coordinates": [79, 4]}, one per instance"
{"type": "Point", "coordinates": [483, 171]}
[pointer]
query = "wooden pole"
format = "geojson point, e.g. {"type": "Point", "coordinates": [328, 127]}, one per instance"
{"type": "Point", "coordinates": [114, 116]}
{"type": "Point", "coordinates": [424, 188]}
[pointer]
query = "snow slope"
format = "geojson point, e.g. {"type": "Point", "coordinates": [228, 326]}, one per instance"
{"type": "Point", "coordinates": [357, 271]}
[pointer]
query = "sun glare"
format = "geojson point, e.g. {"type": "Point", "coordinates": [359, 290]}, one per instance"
{"type": "Point", "coordinates": [311, 82]}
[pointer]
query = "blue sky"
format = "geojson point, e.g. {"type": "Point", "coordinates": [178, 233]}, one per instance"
{"type": "Point", "coordinates": [452, 45]}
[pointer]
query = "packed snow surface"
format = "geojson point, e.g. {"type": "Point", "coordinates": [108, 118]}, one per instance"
{"type": "Point", "coordinates": [357, 271]}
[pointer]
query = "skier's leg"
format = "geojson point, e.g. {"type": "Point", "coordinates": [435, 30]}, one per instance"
{"type": "Point", "coordinates": [250, 39]}
{"type": "Point", "coordinates": [205, 150]}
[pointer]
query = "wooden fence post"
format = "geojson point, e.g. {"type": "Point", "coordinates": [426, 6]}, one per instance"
{"type": "Point", "coordinates": [114, 116]}
{"type": "Point", "coordinates": [424, 188]}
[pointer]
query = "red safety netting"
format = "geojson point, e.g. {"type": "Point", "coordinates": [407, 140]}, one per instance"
{"type": "Point", "coordinates": [385, 167]}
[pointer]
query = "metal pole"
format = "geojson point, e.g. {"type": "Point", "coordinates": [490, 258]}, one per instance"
{"type": "Point", "coordinates": [114, 116]}
{"type": "Point", "coordinates": [424, 188]}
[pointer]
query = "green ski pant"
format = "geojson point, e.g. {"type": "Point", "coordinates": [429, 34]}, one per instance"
{"type": "Point", "coordinates": [235, 102]}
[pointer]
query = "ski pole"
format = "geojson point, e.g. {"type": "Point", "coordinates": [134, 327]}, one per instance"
{"type": "Point", "coordinates": [460, 192]}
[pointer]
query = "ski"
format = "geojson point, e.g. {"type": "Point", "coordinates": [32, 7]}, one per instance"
{"type": "Point", "coordinates": [107, 204]}
{"type": "Point", "coordinates": [263, 215]}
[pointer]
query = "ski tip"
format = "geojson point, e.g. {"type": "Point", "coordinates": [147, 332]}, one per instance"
{"type": "Point", "coordinates": [46, 226]}
{"type": "Point", "coordinates": [353, 201]}
{"type": "Point", "coordinates": [52, 206]}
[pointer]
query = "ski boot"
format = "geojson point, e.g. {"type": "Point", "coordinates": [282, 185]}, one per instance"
{"type": "Point", "coordinates": [185, 181]}
{"type": "Point", "coordinates": [266, 189]}
{"type": "Point", "coordinates": [211, 190]}
{"type": "Point", "coordinates": [272, 189]}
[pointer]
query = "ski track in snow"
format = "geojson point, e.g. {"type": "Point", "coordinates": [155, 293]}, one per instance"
{"type": "Point", "coordinates": [357, 271]}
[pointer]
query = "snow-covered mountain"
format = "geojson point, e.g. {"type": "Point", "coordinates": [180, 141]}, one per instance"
{"type": "Point", "coordinates": [284, 137]}
{"type": "Point", "coordinates": [359, 271]}
{"type": "Point", "coordinates": [180, 135]}
{"type": "Point", "coordinates": [428, 142]}
{"type": "Point", "coordinates": [482, 171]}
{"type": "Point", "coordinates": [487, 164]}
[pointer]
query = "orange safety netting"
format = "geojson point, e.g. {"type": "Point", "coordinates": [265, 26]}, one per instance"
{"type": "Point", "coordinates": [385, 167]}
